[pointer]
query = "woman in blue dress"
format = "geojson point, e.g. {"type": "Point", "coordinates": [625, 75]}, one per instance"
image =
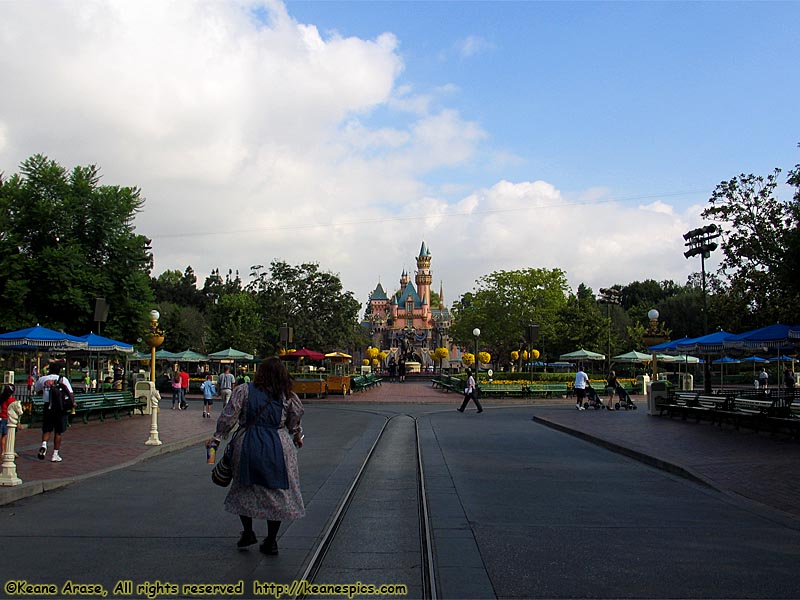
{"type": "Point", "coordinates": [266, 483]}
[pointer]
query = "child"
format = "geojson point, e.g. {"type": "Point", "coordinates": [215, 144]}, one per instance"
{"type": "Point", "coordinates": [209, 391]}
{"type": "Point", "coordinates": [6, 399]}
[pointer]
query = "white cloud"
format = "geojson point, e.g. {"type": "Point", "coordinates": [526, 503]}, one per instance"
{"type": "Point", "coordinates": [472, 45]}
{"type": "Point", "coordinates": [257, 139]}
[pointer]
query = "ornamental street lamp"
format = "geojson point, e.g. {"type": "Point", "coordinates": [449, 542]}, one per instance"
{"type": "Point", "coordinates": [477, 333]}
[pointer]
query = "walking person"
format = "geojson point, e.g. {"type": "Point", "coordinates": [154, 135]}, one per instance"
{"type": "Point", "coordinates": [225, 383]}
{"type": "Point", "coordinates": [788, 379]}
{"type": "Point", "coordinates": [470, 393]}
{"type": "Point", "coordinates": [54, 419]}
{"type": "Point", "coordinates": [6, 399]}
{"type": "Point", "coordinates": [763, 379]}
{"type": "Point", "coordinates": [209, 391]}
{"type": "Point", "coordinates": [266, 481]}
{"type": "Point", "coordinates": [176, 388]}
{"type": "Point", "coordinates": [184, 388]}
{"type": "Point", "coordinates": [392, 369]}
{"type": "Point", "coordinates": [401, 369]}
{"type": "Point", "coordinates": [581, 381]}
{"type": "Point", "coordinates": [611, 388]}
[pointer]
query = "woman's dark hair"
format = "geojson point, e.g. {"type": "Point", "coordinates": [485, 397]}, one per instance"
{"type": "Point", "coordinates": [8, 391]}
{"type": "Point", "coordinates": [273, 377]}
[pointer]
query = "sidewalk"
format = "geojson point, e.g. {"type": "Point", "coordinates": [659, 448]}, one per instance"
{"type": "Point", "coordinates": [97, 447]}
{"type": "Point", "coordinates": [742, 464]}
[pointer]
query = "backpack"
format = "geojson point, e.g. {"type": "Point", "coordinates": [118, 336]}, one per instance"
{"type": "Point", "coordinates": [60, 398]}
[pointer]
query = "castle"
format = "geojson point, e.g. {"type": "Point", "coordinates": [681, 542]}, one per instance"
{"type": "Point", "coordinates": [406, 324]}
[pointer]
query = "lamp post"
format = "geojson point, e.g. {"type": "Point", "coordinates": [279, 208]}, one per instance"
{"type": "Point", "coordinates": [154, 340]}
{"type": "Point", "coordinates": [699, 241]}
{"type": "Point", "coordinates": [608, 297]}
{"type": "Point", "coordinates": [653, 337]}
{"type": "Point", "coordinates": [477, 333]}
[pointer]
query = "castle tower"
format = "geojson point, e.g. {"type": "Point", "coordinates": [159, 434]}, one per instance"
{"type": "Point", "coordinates": [424, 278]}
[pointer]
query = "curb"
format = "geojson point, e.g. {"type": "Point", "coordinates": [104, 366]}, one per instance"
{"type": "Point", "coordinates": [9, 494]}
{"type": "Point", "coordinates": [634, 454]}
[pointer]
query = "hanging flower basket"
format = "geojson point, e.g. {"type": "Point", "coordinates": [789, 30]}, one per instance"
{"type": "Point", "coordinates": [154, 341]}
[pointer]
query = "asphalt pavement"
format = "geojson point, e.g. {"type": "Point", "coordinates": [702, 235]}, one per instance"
{"type": "Point", "coordinates": [519, 509]}
{"type": "Point", "coordinates": [756, 467]}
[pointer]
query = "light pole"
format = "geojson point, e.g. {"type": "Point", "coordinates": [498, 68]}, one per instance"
{"type": "Point", "coordinates": [608, 297]}
{"type": "Point", "coordinates": [477, 333]}
{"type": "Point", "coordinates": [699, 241]}
{"type": "Point", "coordinates": [154, 340]}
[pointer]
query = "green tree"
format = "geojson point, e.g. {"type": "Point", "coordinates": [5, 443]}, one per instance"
{"type": "Point", "coordinates": [504, 304]}
{"type": "Point", "coordinates": [310, 301]}
{"type": "Point", "coordinates": [236, 321]}
{"type": "Point", "coordinates": [759, 244]}
{"type": "Point", "coordinates": [67, 240]}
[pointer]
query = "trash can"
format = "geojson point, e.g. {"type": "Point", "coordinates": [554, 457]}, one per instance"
{"type": "Point", "coordinates": [143, 390]}
{"type": "Point", "coordinates": [656, 391]}
{"type": "Point", "coordinates": [685, 382]}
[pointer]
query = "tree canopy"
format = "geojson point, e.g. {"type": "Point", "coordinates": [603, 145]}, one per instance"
{"type": "Point", "coordinates": [67, 240]}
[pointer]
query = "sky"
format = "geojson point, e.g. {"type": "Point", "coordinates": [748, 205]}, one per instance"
{"type": "Point", "coordinates": [582, 136]}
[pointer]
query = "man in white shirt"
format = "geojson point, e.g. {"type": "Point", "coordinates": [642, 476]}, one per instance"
{"type": "Point", "coordinates": [581, 380]}
{"type": "Point", "coordinates": [53, 418]}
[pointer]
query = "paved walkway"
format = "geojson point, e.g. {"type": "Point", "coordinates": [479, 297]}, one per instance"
{"type": "Point", "coordinates": [743, 464]}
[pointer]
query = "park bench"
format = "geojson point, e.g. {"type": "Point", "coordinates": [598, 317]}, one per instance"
{"type": "Point", "coordinates": [547, 390]}
{"type": "Point", "coordinates": [692, 403]}
{"type": "Point", "coordinates": [448, 383]}
{"type": "Point", "coordinates": [373, 380]}
{"type": "Point", "coordinates": [359, 383]}
{"type": "Point", "coordinates": [101, 403]}
{"type": "Point", "coordinates": [503, 390]}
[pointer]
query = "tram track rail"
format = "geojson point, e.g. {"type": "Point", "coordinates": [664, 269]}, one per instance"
{"type": "Point", "coordinates": [426, 553]}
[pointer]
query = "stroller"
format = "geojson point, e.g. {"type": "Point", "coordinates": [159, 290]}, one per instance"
{"type": "Point", "coordinates": [624, 400]}
{"type": "Point", "coordinates": [593, 399]}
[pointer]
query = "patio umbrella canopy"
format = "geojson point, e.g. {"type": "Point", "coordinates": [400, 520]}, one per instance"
{"type": "Point", "coordinates": [98, 343]}
{"type": "Point", "coordinates": [41, 338]}
{"type": "Point", "coordinates": [303, 353]}
{"type": "Point", "coordinates": [633, 356]}
{"type": "Point", "coordinates": [582, 355]}
{"type": "Point", "coordinates": [230, 354]}
{"type": "Point", "coordinates": [771, 337]}
{"type": "Point", "coordinates": [189, 356]}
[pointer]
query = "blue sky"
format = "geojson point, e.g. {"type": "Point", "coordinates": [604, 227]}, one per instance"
{"type": "Point", "coordinates": [643, 98]}
{"type": "Point", "coordinates": [581, 136]}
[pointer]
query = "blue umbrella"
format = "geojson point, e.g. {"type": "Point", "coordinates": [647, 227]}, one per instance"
{"type": "Point", "coordinates": [98, 343]}
{"type": "Point", "coordinates": [755, 359]}
{"type": "Point", "coordinates": [668, 346]}
{"type": "Point", "coordinates": [41, 338]}
{"type": "Point", "coordinates": [706, 344]}
{"type": "Point", "coordinates": [725, 360]}
{"type": "Point", "coordinates": [775, 336]}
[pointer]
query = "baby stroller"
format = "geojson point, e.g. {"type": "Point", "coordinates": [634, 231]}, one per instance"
{"type": "Point", "coordinates": [624, 400]}
{"type": "Point", "coordinates": [592, 399]}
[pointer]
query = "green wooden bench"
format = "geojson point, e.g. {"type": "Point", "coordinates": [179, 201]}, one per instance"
{"type": "Point", "coordinates": [547, 390]}
{"type": "Point", "coordinates": [373, 379]}
{"type": "Point", "coordinates": [449, 383]}
{"type": "Point", "coordinates": [358, 383]}
{"type": "Point", "coordinates": [101, 403]}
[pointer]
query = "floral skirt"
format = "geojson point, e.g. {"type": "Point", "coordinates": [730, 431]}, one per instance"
{"type": "Point", "coordinates": [259, 502]}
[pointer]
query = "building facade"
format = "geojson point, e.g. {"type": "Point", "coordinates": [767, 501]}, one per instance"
{"type": "Point", "coordinates": [406, 324]}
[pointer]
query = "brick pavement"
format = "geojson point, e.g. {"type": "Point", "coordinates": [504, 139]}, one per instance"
{"type": "Point", "coordinates": [744, 464]}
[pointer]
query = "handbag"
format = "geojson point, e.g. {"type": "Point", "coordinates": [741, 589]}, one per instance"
{"type": "Point", "coordinates": [222, 473]}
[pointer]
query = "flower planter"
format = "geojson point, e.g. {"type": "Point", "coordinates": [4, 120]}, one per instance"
{"type": "Point", "coordinates": [154, 341]}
